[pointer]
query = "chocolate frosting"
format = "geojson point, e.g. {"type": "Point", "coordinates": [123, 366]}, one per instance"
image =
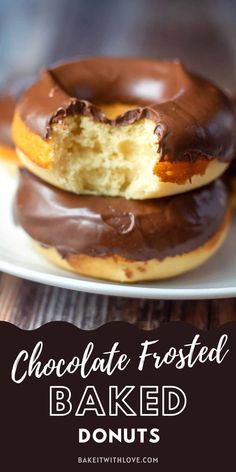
{"type": "Point", "coordinates": [7, 107]}
{"type": "Point", "coordinates": [192, 116]}
{"type": "Point", "coordinates": [102, 226]}
{"type": "Point", "coordinates": [230, 174]}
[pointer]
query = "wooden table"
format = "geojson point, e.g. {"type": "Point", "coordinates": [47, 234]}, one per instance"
{"type": "Point", "coordinates": [34, 33]}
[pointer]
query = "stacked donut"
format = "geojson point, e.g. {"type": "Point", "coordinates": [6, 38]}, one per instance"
{"type": "Point", "coordinates": [122, 159]}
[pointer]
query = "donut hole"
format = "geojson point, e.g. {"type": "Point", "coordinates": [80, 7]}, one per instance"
{"type": "Point", "coordinates": [112, 110]}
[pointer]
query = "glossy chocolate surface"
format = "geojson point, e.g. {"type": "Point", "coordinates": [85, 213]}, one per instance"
{"type": "Point", "coordinates": [192, 116]}
{"type": "Point", "coordinates": [7, 107]}
{"type": "Point", "coordinates": [134, 229]}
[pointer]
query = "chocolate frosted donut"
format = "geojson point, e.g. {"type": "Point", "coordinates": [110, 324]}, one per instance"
{"type": "Point", "coordinates": [7, 107]}
{"type": "Point", "coordinates": [230, 175]}
{"type": "Point", "coordinates": [119, 239]}
{"type": "Point", "coordinates": [124, 127]}
{"type": "Point", "coordinates": [8, 99]}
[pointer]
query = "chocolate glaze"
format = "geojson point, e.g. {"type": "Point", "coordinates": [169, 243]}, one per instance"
{"type": "Point", "coordinates": [7, 107]}
{"type": "Point", "coordinates": [230, 174]}
{"type": "Point", "coordinates": [101, 226]}
{"type": "Point", "coordinates": [192, 116]}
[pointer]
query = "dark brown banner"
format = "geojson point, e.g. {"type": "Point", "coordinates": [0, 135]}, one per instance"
{"type": "Point", "coordinates": [117, 397]}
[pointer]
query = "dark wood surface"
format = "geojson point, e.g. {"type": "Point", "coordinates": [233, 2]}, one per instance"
{"type": "Point", "coordinates": [34, 33]}
{"type": "Point", "coordinates": [29, 305]}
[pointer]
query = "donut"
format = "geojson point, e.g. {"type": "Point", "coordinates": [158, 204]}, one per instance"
{"type": "Point", "coordinates": [132, 128]}
{"type": "Point", "coordinates": [230, 180]}
{"type": "Point", "coordinates": [7, 150]}
{"type": "Point", "coordinates": [230, 175]}
{"type": "Point", "coordinates": [123, 240]}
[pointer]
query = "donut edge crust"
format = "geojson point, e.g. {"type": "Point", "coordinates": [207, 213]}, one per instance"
{"type": "Point", "coordinates": [118, 269]}
{"type": "Point", "coordinates": [9, 158]}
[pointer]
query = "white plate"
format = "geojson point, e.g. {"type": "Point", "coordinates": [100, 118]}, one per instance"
{"type": "Point", "coordinates": [215, 279]}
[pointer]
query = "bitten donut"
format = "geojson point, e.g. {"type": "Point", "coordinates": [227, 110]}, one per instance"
{"type": "Point", "coordinates": [119, 239]}
{"type": "Point", "coordinates": [132, 128]}
{"type": "Point", "coordinates": [7, 150]}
